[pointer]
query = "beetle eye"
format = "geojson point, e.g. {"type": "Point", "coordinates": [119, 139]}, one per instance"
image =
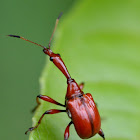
{"type": "Point", "coordinates": [51, 58]}
{"type": "Point", "coordinates": [58, 54]}
{"type": "Point", "coordinates": [44, 50]}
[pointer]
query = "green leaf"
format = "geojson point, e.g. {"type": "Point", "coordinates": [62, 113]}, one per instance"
{"type": "Point", "coordinates": [99, 42]}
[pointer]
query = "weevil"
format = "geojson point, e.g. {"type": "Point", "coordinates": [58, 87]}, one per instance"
{"type": "Point", "coordinates": [80, 107]}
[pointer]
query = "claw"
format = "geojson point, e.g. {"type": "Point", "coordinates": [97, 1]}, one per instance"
{"type": "Point", "coordinates": [30, 129]}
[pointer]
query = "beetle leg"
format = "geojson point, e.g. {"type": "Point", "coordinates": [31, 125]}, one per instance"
{"type": "Point", "coordinates": [81, 85]}
{"type": "Point", "coordinates": [51, 111]}
{"type": "Point", "coordinates": [101, 133]}
{"type": "Point", "coordinates": [46, 98]}
{"type": "Point", "coordinates": [66, 134]}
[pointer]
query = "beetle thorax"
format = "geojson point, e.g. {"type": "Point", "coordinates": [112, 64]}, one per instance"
{"type": "Point", "coordinates": [73, 90]}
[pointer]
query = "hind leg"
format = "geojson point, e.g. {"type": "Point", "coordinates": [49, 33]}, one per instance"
{"type": "Point", "coordinates": [101, 133]}
{"type": "Point", "coordinates": [81, 85]}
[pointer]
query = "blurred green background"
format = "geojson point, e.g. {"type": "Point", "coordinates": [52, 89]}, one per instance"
{"type": "Point", "coordinates": [100, 44]}
{"type": "Point", "coordinates": [22, 62]}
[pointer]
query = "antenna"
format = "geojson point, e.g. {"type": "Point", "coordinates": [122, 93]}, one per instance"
{"type": "Point", "coordinates": [56, 23]}
{"type": "Point", "coordinates": [57, 20]}
{"type": "Point", "coordinates": [26, 40]}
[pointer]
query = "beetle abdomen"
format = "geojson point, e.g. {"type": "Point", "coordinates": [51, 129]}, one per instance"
{"type": "Point", "coordinates": [85, 115]}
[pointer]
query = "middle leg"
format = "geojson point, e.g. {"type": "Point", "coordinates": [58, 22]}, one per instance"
{"type": "Point", "coordinates": [51, 111]}
{"type": "Point", "coordinates": [67, 134]}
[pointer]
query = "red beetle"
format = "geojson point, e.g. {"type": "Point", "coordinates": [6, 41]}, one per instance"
{"type": "Point", "coordinates": [80, 107]}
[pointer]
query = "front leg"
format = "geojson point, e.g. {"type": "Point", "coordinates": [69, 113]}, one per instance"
{"type": "Point", "coordinates": [52, 111]}
{"type": "Point", "coordinates": [46, 98]}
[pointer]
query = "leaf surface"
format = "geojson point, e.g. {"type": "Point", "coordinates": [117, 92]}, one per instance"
{"type": "Point", "coordinates": [99, 42]}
